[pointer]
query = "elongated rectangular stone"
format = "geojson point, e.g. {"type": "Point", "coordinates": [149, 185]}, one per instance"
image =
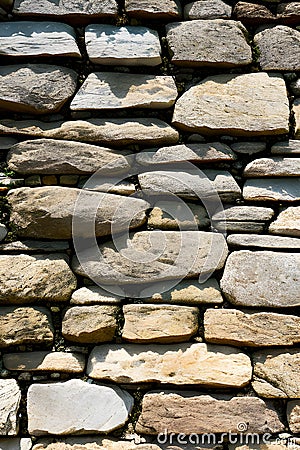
{"type": "Point", "coordinates": [287, 222]}
{"type": "Point", "coordinates": [263, 241]}
{"type": "Point", "coordinates": [273, 167]}
{"type": "Point", "coordinates": [291, 147]}
{"type": "Point", "coordinates": [274, 189]}
{"type": "Point", "coordinates": [153, 9]}
{"type": "Point", "coordinates": [45, 362]}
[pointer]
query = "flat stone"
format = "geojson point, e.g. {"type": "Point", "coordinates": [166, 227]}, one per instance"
{"type": "Point", "coordinates": [94, 443]}
{"type": "Point", "coordinates": [35, 88]}
{"type": "Point", "coordinates": [47, 212]}
{"type": "Point", "coordinates": [239, 227]}
{"type": "Point", "coordinates": [25, 326]}
{"type": "Point", "coordinates": [244, 213]}
{"type": "Point", "coordinates": [127, 46]}
{"type": "Point", "coordinates": [249, 148]}
{"type": "Point", "coordinates": [286, 147]}
{"type": "Point", "coordinates": [263, 241]}
{"type": "Point", "coordinates": [115, 132]}
{"type": "Point", "coordinates": [185, 364]}
{"type": "Point", "coordinates": [10, 394]}
{"type": "Point", "coordinates": [49, 156]}
{"type": "Point", "coordinates": [251, 104]}
{"type": "Point", "coordinates": [250, 329]}
{"type": "Point", "coordinates": [93, 295]}
{"type": "Point", "coordinates": [45, 362]}
{"type": "Point", "coordinates": [273, 189]}
{"type": "Point", "coordinates": [90, 324]}
{"type": "Point", "coordinates": [277, 373]}
{"type": "Point", "coordinates": [207, 9]}
{"type": "Point", "coordinates": [76, 407]}
{"type": "Point", "coordinates": [293, 415]}
{"type": "Point", "coordinates": [289, 13]}
{"type": "Point", "coordinates": [169, 215]}
{"type": "Point", "coordinates": [163, 324]}
{"type": "Point", "coordinates": [273, 167]}
{"type": "Point", "coordinates": [110, 90]}
{"type": "Point", "coordinates": [6, 143]}
{"type": "Point", "coordinates": [296, 111]}
{"type": "Point", "coordinates": [153, 9]}
{"type": "Point", "coordinates": [43, 39]}
{"type": "Point", "coordinates": [28, 246]}
{"type": "Point", "coordinates": [193, 412]}
{"type": "Point", "coordinates": [262, 278]}
{"type": "Point", "coordinates": [15, 444]}
{"type": "Point", "coordinates": [253, 13]}
{"type": "Point", "coordinates": [287, 223]}
{"type": "Point", "coordinates": [3, 232]}
{"type": "Point", "coordinates": [113, 187]}
{"type": "Point", "coordinates": [219, 50]}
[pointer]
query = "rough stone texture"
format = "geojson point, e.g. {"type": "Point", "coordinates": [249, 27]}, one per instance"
{"type": "Point", "coordinates": [273, 167]}
{"type": "Point", "coordinates": [262, 278]}
{"type": "Point", "coordinates": [244, 213]}
{"type": "Point", "coordinates": [185, 364]}
{"type": "Point", "coordinates": [159, 323]}
{"type": "Point", "coordinates": [293, 415]}
{"type": "Point", "coordinates": [90, 324]}
{"type": "Point", "coordinates": [287, 223]}
{"type": "Point", "coordinates": [45, 362]}
{"type": "Point", "coordinates": [93, 295]}
{"type": "Point", "coordinates": [45, 39]}
{"type": "Point", "coordinates": [249, 104]}
{"type": "Point", "coordinates": [291, 147]}
{"type": "Point", "coordinates": [217, 50]}
{"type": "Point", "coordinates": [129, 46]}
{"type": "Point", "coordinates": [250, 329]}
{"type": "Point", "coordinates": [274, 189]}
{"type": "Point", "coordinates": [192, 412]}
{"type": "Point", "coordinates": [76, 407]}
{"type": "Point", "coordinates": [277, 373]}
{"type": "Point", "coordinates": [47, 212]}
{"type": "Point", "coordinates": [160, 216]}
{"type": "Point", "coordinates": [264, 242]}
{"type": "Point", "coordinates": [49, 156]}
{"type": "Point", "coordinates": [95, 443]}
{"type": "Point", "coordinates": [10, 395]}
{"type": "Point", "coordinates": [109, 90]}
{"type": "Point", "coordinates": [296, 111]}
{"type": "Point", "coordinates": [25, 326]}
{"type": "Point", "coordinates": [110, 185]}
{"type": "Point", "coordinates": [28, 246]}
{"type": "Point", "coordinates": [271, 41]}
{"type": "Point", "coordinates": [289, 13]}
{"type": "Point", "coordinates": [3, 232]}
{"type": "Point", "coordinates": [253, 13]}
{"type": "Point", "coordinates": [153, 9]}
{"type": "Point", "coordinates": [239, 227]}
{"type": "Point", "coordinates": [15, 444]}
{"type": "Point", "coordinates": [248, 148]}
{"type": "Point", "coordinates": [207, 9]}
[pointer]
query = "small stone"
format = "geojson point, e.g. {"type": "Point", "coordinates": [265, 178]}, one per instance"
{"type": "Point", "coordinates": [28, 246]}
{"type": "Point", "coordinates": [93, 295]}
{"type": "Point", "coordinates": [207, 9]}
{"type": "Point", "coordinates": [286, 148]}
{"type": "Point", "coordinates": [15, 444]}
{"type": "Point", "coordinates": [3, 232]}
{"type": "Point", "coordinates": [273, 189]}
{"type": "Point", "coordinates": [253, 13]}
{"type": "Point", "coordinates": [45, 362]}
{"type": "Point", "coordinates": [10, 399]}
{"type": "Point", "coordinates": [244, 213]}
{"type": "Point", "coordinates": [68, 180]}
{"type": "Point", "coordinates": [248, 148]}
{"type": "Point", "coordinates": [293, 415]}
{"type": "Point", "coordinates": [273, 167]}
{"type": "Point", "coordinates": [33, 181]}
{"type": "Point", "coordinates": [287, 223]}
{"type": "Point", "coordinates": [49, 180]}
{"type": "Point", "coordinates": [289, 13]}
{"type": "Point", "coordinates": [264, 242]}
{"type": "Point", "coordinates": [168, 215]}
{"type": "Point", "coordinates": [153, 9]}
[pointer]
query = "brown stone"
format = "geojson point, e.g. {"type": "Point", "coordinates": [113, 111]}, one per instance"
{"type": "Point", "coordinates": [287, 222]}
{"type": "Point", "coordinates": [253, 13]}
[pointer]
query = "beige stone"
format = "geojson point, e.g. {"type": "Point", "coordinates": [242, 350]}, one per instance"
{"type": "Point", "coordinates": [10, 395]}
{"type": "Point", "coordinates": [244, 213]}
{"type": "Point", "coordinates": [153, 9]}
{"type": "Point", "coordinates": [207, 9]}
{"type": "Point", "coordinates": [262, 241]}
{"type": "Point", "coordinates": [293, 415]}
{"type": "Point", "coordinates": [169, 215]}
{"type": "Point", "coordinates": [273, 167]}
{"type": "Point", "coordinates": [93, 295]}
{"type": "Point", "coordinates": [287, 222]}
{"type": "Point", "coordinates": [94, 443]}
{"type": "Point", "coordinates": [45, 362]}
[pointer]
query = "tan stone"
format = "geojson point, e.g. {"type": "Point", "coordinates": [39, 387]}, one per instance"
{"type": "Point", "coordinates": [169, 215]}
{"type": "Point", "coordinates": [153, 9]}
{"type": "Point", "coordinates": [287, 222]}
{"type": "Point", "coordinates": [94, 443]}
{"type": "Point", "coordinates": [45, 362]}
{"type": "Point", "coordinates": [273, 167]}
{"type": "Point", "coordinates": [293, 415]}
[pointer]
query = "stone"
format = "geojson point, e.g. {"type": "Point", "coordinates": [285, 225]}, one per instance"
{"type": "Point", "coordinates": [35, 88]}
{"type": "Point", "coordinates": [196, 413]}
{"type": "Point", "coordinates": [170, 215]}
{"type": "Point", "coordinates": [90, 324]}
{"type": "Point", "coordinates": [76, 407]}
{"type": "Point", "coordinates": [47, 212]}
{"type": "Point", "coordinates": [93, 295]}
{"type": "Point", "coordinates": [295, 87]}
{"type": "Point", "coordinates": [49, 156]}
{"type": "Point", "coordinates": [277, 373]}
{"type": "Point", "coordinates": [217, 41]}
{"type": "Point", "coordinates": [126, 46]}
{"type": "Point", "coordinates": [115, 132]}
{"type": "Point", "coordinates": [45, 362]}
{"type": "Point", "coordinates": [207, 9]}
{"type": "Point", "coordinates": [110, 90]}
{"type": "Point", "coordinates": [273, 167]}
{"type": "Point", "coordinates": [262, 279]}
{"type": "Point", "coordinates": [287, 223]}
{"type": "Point", "coordinates": [239, 227]}
{"type": "Point", "coordinates": [250, 329]}
{"type": "Point", "coordinates": [40, 39]}
{"type": "Point", "coordinates": [251, 104]}
{"type": "Point", "coordinates": [113, 187]}
{"type": "Point", "coordinates": [153, 9]}
{"type": "Point", "coordinates": [263, 241]}
{"type": "Point", "coordinates": [253, 13]}
{"type": "Point", "coordinates": [296, 111]}
{"type": "Point", "coordinates": [10, 394]}
{"type": "Point", "coordinates": [164, 324]}
{"type": "Point", "coordinates": [25, 326]}
{"type": "Point", "coordinates": [289, 13]}
{"type": "Point", "coordinates": [272, 189]}
{"type": "Point", "coordinates": [293, 415]}
{"type": "Point", "coordinates": [94, 443]}
{"type": "Point", "coordinates": [291, 147]}
{"type": "Point", "coordinates": [248, 148]}
{"type": "Point", "coordinates": [15, 444]}
{"type": "Point", "coordinates": [201, 364]}
{"type": "Point", "coordinates": [3, 232]}
{"type": "Point", "coordinates": [28, 246]}
{"type": "Point", "coordinates": [244, 213]}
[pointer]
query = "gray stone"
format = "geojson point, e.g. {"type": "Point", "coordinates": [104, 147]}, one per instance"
{"type": "Point", "coordinates": [207, 9]}
{"type": "Point", "coordinates": [45, 362]}
{"type": "Point", "coordinates": [239, 227]}
{"type": "Point", "coordinates": [6, 143]}
{"type": "Point", "coordinates": [248, 148]}
{"type": "Point", "coordinates": [287, 223]}
{"type": "Point", "coordinates": [127, 46]}
{"type": "Point", "coordinates": [93, 295]}
{"type": "Point", "coordinates": [28, 246]}
{"type": "Point", "coordinates": [293, 415]}
{"type": "Point", "coordinates": [76, 407]}
{"type": "Point", "coordinates": [113, 187]}
{"type": "Point", "coordinates": [264, 242]}
{"type": "Point", "coordinates": [10, 400]}
{"type": "Point", "coordinates": [273, 167]}
{"type": "Point", "coordinates": [274, 189]}
{"type": "Point", "coordinates": [262, 278]}
{"type": "Point", "coordinates": [3, 232]}
{"type": "Point", "coordinates": [253, 13]}
{"type": "Point", "coordinates": [153, 9]}
{"type": "Point", "coordinates": [244, 213]}
{"type": "Point", "coordinates": [15, 444]}
{"type": "Point", "coordinates": [217, 41]}
{"type": "Point", "coordinates": [286, 148]}
{"type": "Point", "coordinates": [289, 13]}
{"type": "Point", "coordinates": [170, 215]}
{"type": "Point", "coordinates": [249, 104]}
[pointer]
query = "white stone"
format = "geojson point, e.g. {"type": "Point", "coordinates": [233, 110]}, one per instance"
{"type": "Point", "coordinates": [10, 395]}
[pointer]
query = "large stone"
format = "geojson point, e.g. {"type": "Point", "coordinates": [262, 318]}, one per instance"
{"type": "Point", "coordinates": [253, 13]}
{"type": "Point", "coordinates": [93, 295]}
{"type": "Point", "coordinates": [271, 41]}
{"type": "Point", "coordinates": [289, 13]}
{"type": "Point", "coordinates": [110, 90]}
{"type": "Point", "coordinates": [293, 415]}
{"type": "Point", "coordinates": [153, 9]}
{"type": "Point", "coordinates": [287, 222]}
{"type": "Point", "coordinates": [200, 364]}
{"type": "Point", "coordinates": [274, 189]}
{"type": "Point", "coordinates": [263, 241]}
{"type": "Point", "coordinates": [94, 443]}
{"type": "Point", "coordinates": [249, 104]}
{"type": "Point", "coordinates": [217, 43]}
{"type": "Point", "coordinates": [127, 46]}
{"type": "Point", "coordinates": [262, 278]}
{"type": "Point", "coordinates": [250, 329]}
{"type": "Point", "coordinates": [170, 215]}
{"type": "Point", "coordinates": [277, 373]}
{"type": "Point", "coordinates": [45, 362]}
{"type": "Point", "coordinates": [43, 39]}
{"type": "Point", "coordinates": [49, 156]}
{"type": "Point", "coordinates": [10, 395]}
{"type": "Point", "coordinates": [196, 413]}
{"type": "Point", "coordinates": [207, 9]}
{"type": "Point", "coordinates": [291, 147]}
{"type": "Point", "coordinates": [244, 213]}
{"type": "Point", "coordinates": [273, 167]}
{"type": "Point", "coordinates": [76, 407]}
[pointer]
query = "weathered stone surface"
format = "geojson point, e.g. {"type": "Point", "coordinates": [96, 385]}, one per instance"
{"type": "Point", "coordinates": [109, 90]}
{"type": "Point", "coordinates": [94, 443]}
{"type": "Point", "coordinates": [160, 218]}
{"type": "Point", "coordinates": [28, 246]}
{"type": "Point", "coordinates": [274, 189]}
{"type": "Point", "coordinates": [116, 132]}
{"type": "Point", "coordinates": [25, 326]}
{"type": "Point", "coordinates": [49, 156]}
{"type": "Point", "coordinates": [217, 41]}
{"type": "Point", "coordinates": [248, 104]}
{"type": "Point", "coordinates": [261, 278]}
{"type": "Point", "coordinates": [93, 295]}
{"type": "Point", "coordinates": [248, 148]}
{"type": "Point", "coordinates": [45, 362]}
{"type": "Point", "coordinates": [207, 9]}
{"type": "Point", "coordinates": [244, 213]}
{"type": "Point", "coordinates": [35, 88]}
{"type": "Point", "coordinates": [153, 9]}
{"type": "Point", "coordinates": [3, 232]}
{"type": "Point", "coordinates": [90, 324]}
{"type": "Point", "coordinates": [10, 399]}
{"type": "Point", "coordinates": [273, 167]}
{"type": "Point", "coordinates": [291, 147]}
{"type": "Point", "coordinates": [185, 364]}
{"type": "Point", "coordinates": [277, 373]}
{"type": "Point", "coordinates": [128, 46]}
{"type": "Point", "coordinates": [287, 223]}
{"type": "Point", "coordinates": [47, 212]}
{"type": "Point", "coordinates": [193, 412]}
{"type": "Point", "coordinates": [262, 241]}
{"type": "Point", "coordinates": [293, 415]}
{"type": "Point", "coordinates": [159, 323]}
{"type": "Point", "coordinates": [15, 444]}
{"type": "Point", "coordinates": [45, 39]}
{"type": "Point", "coordinates": [289, 13]}
{"type": "Point", "coordinates": [239, 227]}
{"type": "Point", "coordinates": [253, 13]}
{"type": "Point", "coordinates": [251, 329]}
{"type": "Point", "coordinates": [296, 111]}
{"type": "Point", "coordinates": [76, 407]}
